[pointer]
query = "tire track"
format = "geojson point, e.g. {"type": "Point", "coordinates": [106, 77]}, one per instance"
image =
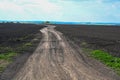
{"type": "Point", "coordinates": [55, 59]}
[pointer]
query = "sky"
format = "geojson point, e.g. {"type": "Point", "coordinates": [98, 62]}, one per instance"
{"type": "Point", "coordinates": [61, 10]}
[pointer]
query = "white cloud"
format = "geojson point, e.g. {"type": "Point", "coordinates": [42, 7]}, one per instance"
{"type": "Point", "coordinates": [65, 10]}
{"type": "Point", "coordinates": [96, 10]}
{"type": "Point", "coordinates": [6, 5]}
{"type": "Point", "coordinates": [36, 9]}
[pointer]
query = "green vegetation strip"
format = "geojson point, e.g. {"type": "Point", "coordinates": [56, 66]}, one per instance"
{"type": "Point", "coordinates": [7, 56]}
{"type": "Point", "coordinates": [106, 58]}
{"type": "Point", "coordinates": [5, 59]}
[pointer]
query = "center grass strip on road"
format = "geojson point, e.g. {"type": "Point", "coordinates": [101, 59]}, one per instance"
{"type": "Point", "coordinates": [107, 59]}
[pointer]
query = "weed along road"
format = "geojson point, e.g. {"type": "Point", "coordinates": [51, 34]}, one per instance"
{"type": "Point", "coordinates": [56, 59]}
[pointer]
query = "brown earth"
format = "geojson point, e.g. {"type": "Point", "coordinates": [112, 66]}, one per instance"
{"type": "Point", "coordinates": [56, 59]}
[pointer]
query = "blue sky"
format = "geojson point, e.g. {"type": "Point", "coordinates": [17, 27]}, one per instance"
{"type": "Point", "coordinates": [61, 10]}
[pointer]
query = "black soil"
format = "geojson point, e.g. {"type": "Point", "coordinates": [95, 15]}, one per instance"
{"type": "Point", "coordinates": [94, 36]}
{"type": "Point", "coordinates": [13, 35]}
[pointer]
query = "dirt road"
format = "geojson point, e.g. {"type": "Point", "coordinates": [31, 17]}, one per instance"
{"type": "Point", "coordinates": [56, 59]}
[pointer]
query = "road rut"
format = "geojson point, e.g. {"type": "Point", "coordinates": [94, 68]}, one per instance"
{"type": "Point", "coordinates": [55, 59]}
